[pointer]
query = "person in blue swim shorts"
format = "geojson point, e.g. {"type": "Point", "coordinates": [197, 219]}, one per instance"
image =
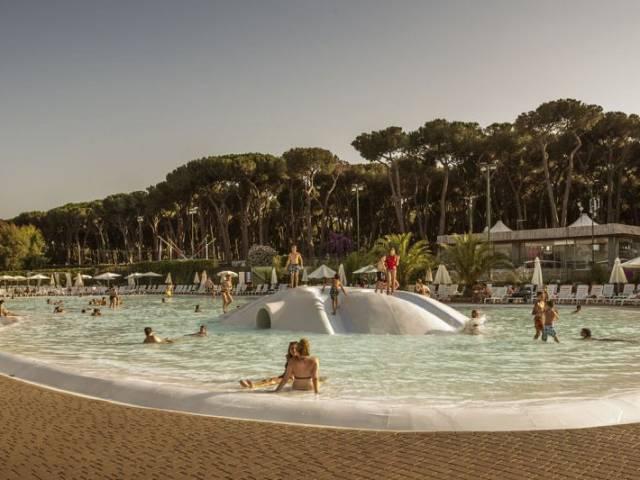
{"type": "Point", "coordinates": [550, 319]}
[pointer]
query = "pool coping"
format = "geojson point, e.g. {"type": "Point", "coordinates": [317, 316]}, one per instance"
{"type": "Point", "coordinates": [310, 410]}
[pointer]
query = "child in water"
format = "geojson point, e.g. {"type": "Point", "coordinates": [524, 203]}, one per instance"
{"type": "Point", "coordinates": [334, 291]}
{"type": "Point", "coordinates": [550, 317]}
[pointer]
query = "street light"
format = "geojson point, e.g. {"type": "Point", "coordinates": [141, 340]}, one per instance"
{"type": "Point", "coordinates": [594, 206]}
{"type": "Point", "coordinates": [470, 202]}
{"type": "Point", "coordinates": [357, 188]}
{"type": "Point", "coordinates": [192, 211]}
{"type": "Point", "coordinates": [488, 168]}
{"type": "Point", "coordinates": [140, 220]}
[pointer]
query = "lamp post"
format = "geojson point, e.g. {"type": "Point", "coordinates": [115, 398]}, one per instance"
{"type": "Point", "coordinates": [192, 212]}
{"type": "Point", "coordinates": [470, 202]}
{"type": "Point", "coordinates": [357, 188]}
{"type": "Point", "coordinates": [488, 168]}
{"type": "Point", "coordinates": [140, 220]}
{"type": "Point", "coordinates": [594, 206]}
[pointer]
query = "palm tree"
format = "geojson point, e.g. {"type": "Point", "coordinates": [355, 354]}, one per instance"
{"type": "Point", "coordinates": [472, 258]}
{"type": "Point", "coordinates": [413, 257]}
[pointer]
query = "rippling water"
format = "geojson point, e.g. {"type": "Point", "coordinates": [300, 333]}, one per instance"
{"type": "Point", "coordinates": [503, 365]}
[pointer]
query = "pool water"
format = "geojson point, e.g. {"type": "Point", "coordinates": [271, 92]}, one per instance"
{"type": "Point", "coordinates": [504, 365]}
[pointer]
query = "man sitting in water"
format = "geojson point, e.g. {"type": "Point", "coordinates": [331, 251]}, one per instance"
{"type": "Point", "coordinates": [3, 311]}
{"type": "Point", "coordinates": [577, 310]}
{"type": "Point", "coordinates": [197, 309]}
{"type": "Point", "coordinates": [151, 337]}
{"type": "Point", "coordinates": [96, 312]}
{"type": "Point", "coordinates": [58, 309]}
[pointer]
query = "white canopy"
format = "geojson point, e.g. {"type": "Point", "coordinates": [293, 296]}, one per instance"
{"type": "Point", "coordinates": [617, 273]}
{"type": "Point", "coordinates": [168, 280]}
{"type": "Point", "coordinates": [203, 278]}
{"type": "Point", "coordinates": [107, 276]}
{"type": "Point", "coordinates": [151, 275]}
{"type": "Point", "coordinates": [18, 277]}
{"type": "Point", "coordinates": [6, 277]}
{"type": "Point", "coordinates": [38, 276]}
{"type": "Point", "coordinates": [68, 280]}
{"type": "Point", "coordinates": [342, 274]}
{"type": "Point", "coordinates": [274, 277]}
{"type": "Point", "coordinates": [536, 279]}
{"type": "Point", "coordinates": [224, 273]}
{"type": "Point", "coordinates": [196, 279]}
{"type": "Point", "coordinates": [79, 282]}
{"type": "Point", "coordinates": [322, 272]}
{"type": "Point", "coordinates": [442, 276]}
{"type": "Point", "coordinates": [365, 269]}
{"type": "Point", "coordinates": [634, 263]}
{"type": "Point", "coordinates": [52, 281]}
{"type": "Point", "coordinates": [583, 221]}
{"type": "Point", "coordinates": [499, 227]}
{"type": "Point", "coordinates": [133, 276]}
{"type": "Point", "coordinates": [86, 277]}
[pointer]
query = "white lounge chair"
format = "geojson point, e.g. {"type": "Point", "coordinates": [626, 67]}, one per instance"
{"type": "Point", "coordinates": [582, 292]}
{"type": "Point", "coordinates": [626, 294]}
{"type": "Point", "coordinates": [595, 295]}
{"type": "Point", "coordinates": [565, 295]}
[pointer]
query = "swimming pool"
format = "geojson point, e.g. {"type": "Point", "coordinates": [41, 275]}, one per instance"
{"type": "Point", "coordinates": [503, 367]}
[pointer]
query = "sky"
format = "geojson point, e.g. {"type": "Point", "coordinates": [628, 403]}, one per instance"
{"type": "Point", "coordinates": [106, 97]}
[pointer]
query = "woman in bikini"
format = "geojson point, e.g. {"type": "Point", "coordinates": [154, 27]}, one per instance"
{"type": "Point", "coordinates": [293, 266]}
{"type": "Point", "coordinates": [303, 368]}
{"type": "Point", "coordinates": [538, 314]}
{"type": "Point", "coordinates": [266, 382]}
{"type": "Point", "coordinates": [225, 291]}
{"type": "Point", "coordinates": [391, 263]}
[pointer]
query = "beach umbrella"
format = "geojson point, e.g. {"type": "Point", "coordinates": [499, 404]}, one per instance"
{"type": "Point", "coordinates": [365, 269]}
{"type": "Point", "coordinates": [133, 276]}
{"type": "Point", "coordinates": [151, 275]}
{"type": "Point", "coordinates": [428, 277]}
{"type": "Point", "coordinates": [68, 280]}
{"type": "Point", "coordinates": [442, 276]}
{"type": "Point", "coordinates": [536, 279]}
{"type": "Point", "coordinates": [4, 278]}
{"type": "Point", "coordinates": [203, 279]}
{"type": "Point", "coordinates": [274, 277]}
{"type": "Point", "coordinates": [305, 276]}
{"type": "Point", "coordinates": [240, 278]}
{"type": "Point", "coordinates": [19, 278]}
{"type": "Point", "coordinates": [322, 272]}
{"type": "Point", "coordinates": [632, 264]}
{"type": "Point", "coordinates": [108, 276]}
{"type": "Point", "coordinates": [39, 277]}
{"type": "Point", "coordinates": [342, 274]}
{"type": "Point", "coordinates": [617, 273]}
{"type": "Point", "coordinates": [196, 279]}
{"type": "Point", "coordinates": [168, 280]}
{"type": "Point", "coordinates": [79, 282]}
{"type": "Point", "coordinates": [52, 281]}
{"type": "Point", "coordinates": [224, 273]}
{"type": "Point", "coordinates": [56, 275]}
{"type": "Point", "coordinates": [86, 277]}
{"type": "Point", "coordinates": [131, 280]}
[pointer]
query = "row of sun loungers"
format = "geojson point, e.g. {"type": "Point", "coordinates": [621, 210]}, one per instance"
{"type": "Point", "coordinates": [580, 294]}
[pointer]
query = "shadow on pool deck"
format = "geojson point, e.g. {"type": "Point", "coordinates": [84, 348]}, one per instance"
{"type": "Point", "coordinates": [48, 434]}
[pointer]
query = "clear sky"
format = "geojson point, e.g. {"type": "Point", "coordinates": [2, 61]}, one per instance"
{"type": "Point", "coordinates": [108, 96]}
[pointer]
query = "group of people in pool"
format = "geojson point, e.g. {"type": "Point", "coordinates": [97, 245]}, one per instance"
{"type": "Point", "coordinates": [300, 368]}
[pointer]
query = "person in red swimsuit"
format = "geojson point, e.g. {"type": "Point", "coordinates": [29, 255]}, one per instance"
{"type": "Point", "coordinates": [391, 261]}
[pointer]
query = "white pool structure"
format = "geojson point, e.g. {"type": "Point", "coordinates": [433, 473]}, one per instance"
{"type": "Point", "coordinates": [393, 363]}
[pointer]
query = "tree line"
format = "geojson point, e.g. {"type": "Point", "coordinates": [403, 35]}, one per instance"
{"type": "Point", "coordinates": [422, 182]}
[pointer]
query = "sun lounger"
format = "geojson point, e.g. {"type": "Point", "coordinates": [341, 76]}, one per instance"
{"type": "Point", "coordinates": [582, 292]}
{"type": "Point", "coordinates": [626, 294]}
{"type": "Point", "coordinates": [595, 295]}
{"type": "Point", "coordinates": [565, 295]}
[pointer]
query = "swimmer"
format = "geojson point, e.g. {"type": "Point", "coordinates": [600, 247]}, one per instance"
{"type": "Point", "coordinates": [96, 312]}
{"type": "Point", "coordinates": [303, 368]}
{"type": "Point", "coordinates": [585, 333]}
{"type": "Point", "coordinates": [151, 337]}
{"type": "Point", "coordinates": [225, 291]}
{"type": "Point", "coordinates": [550, 318]}
{"type": "Point", "coordinates": [266, 382]}
{"type": "Point", "coordinates": [164, 300]}
{"type": "Point", "coordinates": [334, 291]}
{"type": "Point", "coordinates": [58, 309]}
{"type": "Point", "coordinates": [200, 333]}
{"type": "Point", "coordinates": [474, 324]}
{"type": "Point", "coordinates": [3, 311]}
{"type": "Point", "coordinates": [538, 314]}
{"type": "Point", "coordinates": [577, 310]}
{"type": "Point", "coordinates": [197, 309]}
{"type": "Point", "coordinates": [84, 310]}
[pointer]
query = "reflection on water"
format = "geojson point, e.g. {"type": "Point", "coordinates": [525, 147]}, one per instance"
{"type": "Point", "coordinates": [504, 365]}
